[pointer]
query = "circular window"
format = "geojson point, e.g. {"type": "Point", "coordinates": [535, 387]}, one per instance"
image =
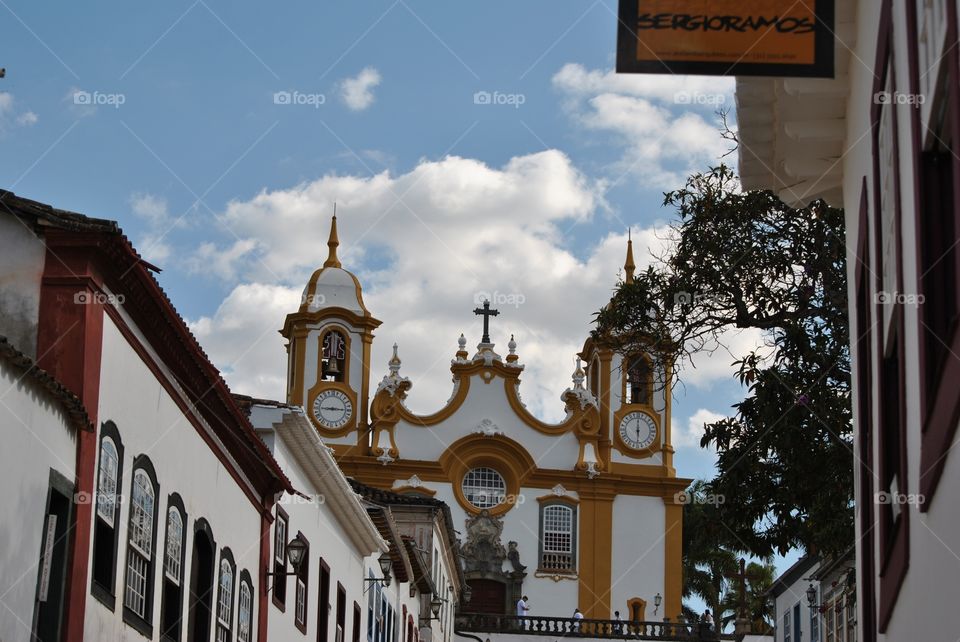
{"type": "Point", "coordinates": [484, 487]}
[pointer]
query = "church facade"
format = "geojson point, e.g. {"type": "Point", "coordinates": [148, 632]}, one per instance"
{"type": "Point", "coordinates": [585, 513]}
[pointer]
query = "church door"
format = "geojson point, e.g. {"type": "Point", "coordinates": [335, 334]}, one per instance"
{"type": "Point", "coordinates": [487, 596]}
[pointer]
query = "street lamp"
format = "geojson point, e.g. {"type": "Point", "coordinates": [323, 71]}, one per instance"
{"type": "Point", "coordinates": [812, 596]}
{"type": "Point", "coordinates": [657, 601]}
{"type": "Point", "coordinates": [296, 549]}
{"type": "Point", "coordinates": [435, 605]}
{"type": "Point", "coordinates": [386, 563]}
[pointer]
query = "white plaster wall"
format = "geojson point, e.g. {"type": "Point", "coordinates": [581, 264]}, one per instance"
{"type": "Point", "coordinates": [37, 437]}
{"type": "Point", "coordinates": [21, 268]}
{"type": "Point", "coordinates": [795, 594]}
{"type": "Point", "coordinates": [638, 550]}
{"type": "Point", "coordinates": [315, 518]}
{"type": "Point", "coordinates": [151, 423]}
{"type": "Point", "coordinates": [522, 525]}
{"type": "Point", "coordinates": [487, 401]}
{"type": "Point", "coordinates": [926, 597]}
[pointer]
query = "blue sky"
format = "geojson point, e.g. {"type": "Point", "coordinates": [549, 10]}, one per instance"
{"type": "Point", "coordinates": [178, 134]}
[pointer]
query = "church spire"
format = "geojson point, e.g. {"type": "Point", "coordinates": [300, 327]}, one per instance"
{"type": "Point", "coordinates": [333, 242]}
{"type": "Point", "coordinates": [629, 266]}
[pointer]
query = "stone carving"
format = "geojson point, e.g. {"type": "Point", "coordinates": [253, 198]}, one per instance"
{"type": "Point", "coordinates": [483, 551]}
{"type": "Point", "coordinates": [514, 556]}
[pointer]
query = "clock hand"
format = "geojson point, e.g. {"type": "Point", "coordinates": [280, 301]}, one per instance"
{"type": "Point", "coordinates": [330, 408]}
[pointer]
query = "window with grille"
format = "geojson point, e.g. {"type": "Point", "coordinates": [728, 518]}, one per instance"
{"type": "Point", "coordinates": [484, 487]}
{"type": "Point", "coordinates": [244, 612]}
{"type": "Point", "coordinates": [107, 481]}
{"type": "Point", "coordinates": [171, 603]}
{"type": "Point", "coordinates": [557, 537]}
{"type": "Point", "coordinates": [786, 625]}
{"type": "Point", "coordinates": [140, 550]}
{"type": "Point", "coordinates": [174, 552]}
{"type": "Point", "coordinates": [105, 525]}
{"type": "Point", "coordinates": [300, 599]}
{"type": "Point", "coordinates": [225, 602]}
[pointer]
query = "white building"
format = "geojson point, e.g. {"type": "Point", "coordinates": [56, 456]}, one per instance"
{"type": "Point", "coordinates": [554, 511]}
{"type": "Point", "coordinates": [149, 501]}
{"type": "Point", "coordinates": [880, 140]}
{"type": "Point", "coordinates": [795, 620]}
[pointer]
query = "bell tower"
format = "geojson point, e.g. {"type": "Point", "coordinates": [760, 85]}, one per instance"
{"type": "Point", "coordinates": [634, 391]}
{"type": "Point", "coordinates": [329, 339]}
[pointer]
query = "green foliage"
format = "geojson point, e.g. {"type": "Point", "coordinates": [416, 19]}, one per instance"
{"type": "Point", "coordinates": [745, 260]}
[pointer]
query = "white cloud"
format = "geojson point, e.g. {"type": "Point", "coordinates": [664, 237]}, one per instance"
{"type": "Point", "coordinates": [664, 125]}
{"type": "Point", "coordinates": [8, 115]}
{"type": "Point", "coordinates": [425, 244]}
{"type": "Point", "coordinates": [357, 92]}
{"type": "Point", "coordinates": [27, 118]}
{"type": "Point", "coordinates": [689, 435]}
{"type": "Point", "coordinates": [154, 244]}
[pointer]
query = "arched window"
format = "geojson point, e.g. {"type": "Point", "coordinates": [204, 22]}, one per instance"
{"type": "Point", "coordinates": [105, 531]}
{"type": "Point", "coordinates": [484, 487]}
{"type": "Point", "coordinates": [334, 356]}
{"type": "Point", "coordinates": [558, 523]}
{"type": "Point", "coordinates": [245, 608]}
{"type": "Point", "coordinates": [225, 597]}
{"type": "Point", "coordinates": [141, 529]}
{"type": "Point", "coordinates": [594, 375]}
{"type": "Point", "coordinates": [639, 380]}
{"type": "Point", "coordinates": [171, 603]}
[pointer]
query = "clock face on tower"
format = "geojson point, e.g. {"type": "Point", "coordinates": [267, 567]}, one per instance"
{"type": "Point", "coordinates": [638, 430]}
{"type": "Point", "coordinates": [332, 409]}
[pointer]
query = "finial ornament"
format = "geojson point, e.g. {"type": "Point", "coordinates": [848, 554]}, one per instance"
{"type": "Point", "coordinates": [629, 267]}
{"type": "Point", "coordinates": [394, 363]}
{"type": "Point", "coordinates": [578, 376]}
{"type": "Point", "coordinates": [333, 242]}
{"type": "Point", "coordinates": [513, 357]}
{"type": "Point", "coordinates": [462, 353]}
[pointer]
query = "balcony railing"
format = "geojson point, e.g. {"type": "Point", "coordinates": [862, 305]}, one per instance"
{"type": "Point", "coordinates": [571, 628]}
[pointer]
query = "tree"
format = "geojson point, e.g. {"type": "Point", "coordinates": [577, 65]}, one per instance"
{"type": "Point", "coordinates": [745, 260]}
{"type": "Point", "coordinates": [707, 564]}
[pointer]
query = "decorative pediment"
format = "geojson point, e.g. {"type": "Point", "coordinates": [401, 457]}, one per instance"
{"type": "Point", "coordinates": [487, 428]}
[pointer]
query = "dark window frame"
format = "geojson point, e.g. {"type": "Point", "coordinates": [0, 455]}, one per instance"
{"type": "Point", "coordinates": [323, 602]}
{"type": "Point", "coordinates": [107, 595]}
{"type": "Point", "coordinates": [357, 615]}
{"type": "Point", "coordinates": [226, 555]}
{"type": "Point", "coordinates": [173, 633]}
{"type": "Point", "coordinates": [246, 580]}
{"type": "Point", "coordinates": [341, 613]}
{"type": "Point", "coordinates": [143, 624]}
{"type": "Point", "coordinates": [865, 428]}
{"type": "Point", "coordinates": [303, 574]}
{"type": "Point", "coordinates": [279, 592]}
{"type": "Point", "coordinates": [937, 260]}
{"type": "Point", "coordinates": [894, 529]}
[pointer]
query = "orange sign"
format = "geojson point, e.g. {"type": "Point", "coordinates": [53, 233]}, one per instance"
{"type": "Point", "coordinates": [727, 37]}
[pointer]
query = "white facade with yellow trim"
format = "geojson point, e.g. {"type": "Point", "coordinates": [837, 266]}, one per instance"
{"type": "Point", "coordinates": [580, 514]}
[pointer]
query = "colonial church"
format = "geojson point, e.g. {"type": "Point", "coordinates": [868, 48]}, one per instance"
{"type": "Point", "coordinates": [582, 514]}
